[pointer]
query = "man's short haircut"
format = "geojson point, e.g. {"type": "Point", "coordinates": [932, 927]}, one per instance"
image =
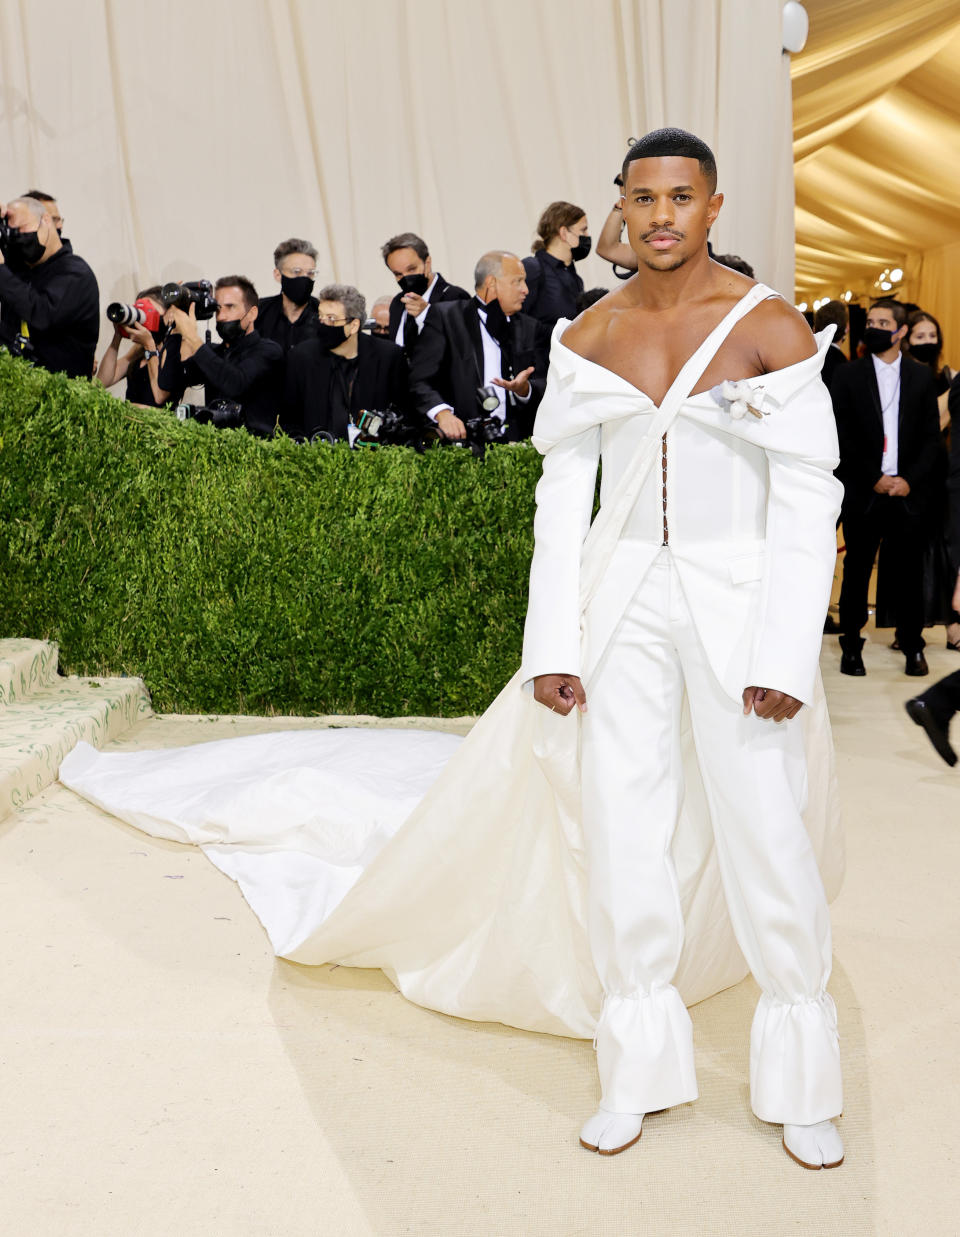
{"type": "Point", "coordinates": [675, 143]}
{"type": "Point", "coordinates": [833, 313]}
{"type": "Point", "coordinates": [354, 303]}
{"type": "Point", "coordinates": [33, 205]}
{"type": "Point", "coordinates": [406, 240]}
{"type": "Point", "coordinates": [382, 300]}
{"type": "Point", "coordinates": [153, 293]}
{"type": "Point", "coordinates": [490, 264]}
{"type": "Point", "coordinates": [39, 196]}
{"type": "Point", "coordinates": [293, 245]}
{"type": "Point", "coordinates": [897, 308]}
{"type": "Point", "coordinates": [250, 297]}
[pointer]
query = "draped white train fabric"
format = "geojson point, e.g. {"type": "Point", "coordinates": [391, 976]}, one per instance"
{"type": "Point", "coordinates": [456, 867]}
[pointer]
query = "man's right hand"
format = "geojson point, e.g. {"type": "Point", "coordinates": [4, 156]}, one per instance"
{"type": "Point", "coordinates": [884, 485]}
{"type": "Point", "coordinates": [560, 692]}
{"type": "Point", "coordinates": [450, 425]}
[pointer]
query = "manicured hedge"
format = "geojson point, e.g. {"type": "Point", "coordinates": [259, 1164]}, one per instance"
{"type": "Point", "coordinates": [241, 576]}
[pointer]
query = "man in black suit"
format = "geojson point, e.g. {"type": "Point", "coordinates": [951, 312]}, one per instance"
{"type": "Point", "coordinates": [483, 342]}
{"type": "Point", "coordinates": [291, 317]}
{"type": "Point", "coordinates": [408, 260]}
{"type": "Point", "coordinates": [889, 429]}
{"type": "Point", "coordinates": [936, 707]}
{"type": "Point", "coordinates": [342, 371]}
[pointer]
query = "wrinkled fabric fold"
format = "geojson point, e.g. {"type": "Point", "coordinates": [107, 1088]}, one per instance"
{"type": "Point", "coordinates": [795, 1075]}
{"type": "Point", "coordinates": [645, 1051]}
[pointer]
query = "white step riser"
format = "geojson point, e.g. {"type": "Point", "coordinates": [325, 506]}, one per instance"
{"type": "Point", "coordinates": [25, 667]}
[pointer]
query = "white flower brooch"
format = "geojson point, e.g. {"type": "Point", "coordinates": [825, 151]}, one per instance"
{"type": "Point", "coordinates": [739, 398]}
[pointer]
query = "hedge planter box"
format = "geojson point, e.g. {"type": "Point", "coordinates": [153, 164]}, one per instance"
{"type": "Point", "coordinates": [241, 576]}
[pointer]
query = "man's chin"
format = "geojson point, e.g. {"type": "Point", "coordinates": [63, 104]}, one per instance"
{"type": "Point", "coordinates": [668, 262]}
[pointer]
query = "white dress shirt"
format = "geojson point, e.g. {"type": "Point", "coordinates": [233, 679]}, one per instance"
{"type": "Point", "coordinates": [888, 383]}
{"type": "Point", "coordinates": [419, 319]}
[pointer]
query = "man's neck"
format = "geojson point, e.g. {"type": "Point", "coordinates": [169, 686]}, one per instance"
{"type": "Point", "coordinates": [890, 356]}
{"type": "Point", "coordinates": [290, 311]}
{"type": "Point", "coordinates": [664, 290]}
{"type": "Point", "coordinates": [560, 250]}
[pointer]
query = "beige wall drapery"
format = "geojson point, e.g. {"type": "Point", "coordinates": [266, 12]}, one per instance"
{"type": "Point", "coordinates": [877, 129]}
{"type": "Point", "coordinates": [185, 139]}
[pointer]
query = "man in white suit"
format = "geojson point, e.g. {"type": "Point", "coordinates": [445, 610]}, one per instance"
{"type": "Point", "coordinates": [716, 590]}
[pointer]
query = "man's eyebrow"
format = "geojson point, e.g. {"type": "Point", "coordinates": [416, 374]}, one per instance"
{"type": "Point", "coordinates": [675, 189]}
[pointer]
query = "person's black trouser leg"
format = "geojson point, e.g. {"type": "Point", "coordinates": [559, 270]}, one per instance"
{"type": "Point", "coordinates": [904, 538]}
{"type": "Point", "coordinates": [943, 698]}
{"type": "Point", "coordinates": [861, 535]}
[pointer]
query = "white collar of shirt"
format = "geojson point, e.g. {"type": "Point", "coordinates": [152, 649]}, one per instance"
{"type": "Point", "coordinates": [887, 368]}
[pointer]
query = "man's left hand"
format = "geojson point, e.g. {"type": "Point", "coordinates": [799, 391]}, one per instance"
{"type": "Point", "coordinates": [772, 705]}
{"type": "Point", "coordinates": [519, 385]}
{"type": "Point", "coordinates": [898, 487]}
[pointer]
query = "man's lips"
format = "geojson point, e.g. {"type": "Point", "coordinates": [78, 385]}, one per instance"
{"type": "Point", "coordinates": [662, 240]}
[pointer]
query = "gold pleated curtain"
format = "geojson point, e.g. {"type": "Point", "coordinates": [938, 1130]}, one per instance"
{"type": "Point", "coordinates": [877, 153]}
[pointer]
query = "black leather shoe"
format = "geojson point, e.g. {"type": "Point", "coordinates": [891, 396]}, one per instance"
{"type": "Point", "coordinates": [920, 711]}
{"type": "Point", "coordinates": [851, 662]}
{"type": "Point", "coordinates": [917, 665]}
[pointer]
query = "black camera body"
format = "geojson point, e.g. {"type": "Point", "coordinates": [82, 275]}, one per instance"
{"type": "Point", "coordinates": [220, 413]}
{"type": "Point", "coordinates": [198, 292]}
{"type": "Point", "coordinates": [484, 430]}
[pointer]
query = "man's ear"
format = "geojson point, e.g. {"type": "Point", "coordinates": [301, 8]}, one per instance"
{"type": "Point", "coordinates": [713, 208]}
{"type": "Point", "coordinates": [428, 267]}
{"type": "Point", "coordinates": [276, 274]}
{"type": "Point", "coordinates": [353, 326]}
{"type": "Point", "coordinates": [254, 311]}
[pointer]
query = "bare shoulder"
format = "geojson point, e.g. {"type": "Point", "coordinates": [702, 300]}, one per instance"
{"type": "Point", "coordinates": [588, 329]}
{"type": "Point", "coordinates": [781, 335]}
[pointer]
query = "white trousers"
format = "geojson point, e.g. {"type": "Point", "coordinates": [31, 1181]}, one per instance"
{"type": "Point", "coordinates": [754, 775]}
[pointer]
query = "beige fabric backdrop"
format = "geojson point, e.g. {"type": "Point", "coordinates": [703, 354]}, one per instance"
{"type": "Point", "coordinates": [186, 138]}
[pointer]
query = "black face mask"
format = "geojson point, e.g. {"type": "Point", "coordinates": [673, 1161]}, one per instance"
{"type": "Point", "coordinates": [875, 339]}
{"type": "Point", "coordinates": [927, 354]}
{"type": "Point", "coordinates": [413, 283]}
{"type": "Point", "coordinates": [330, 337]}
{"type": "Point", "coordinates": [297, 288]}
{"type": "Point", "coordinates": [582, 248]}
{"type": "Point", "coordinates": [230, 331]}
{"type": "Point", "coordinates": [28, 247]}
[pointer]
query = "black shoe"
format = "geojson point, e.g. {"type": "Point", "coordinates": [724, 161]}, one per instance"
{"type": "Point", "coordinates": [917, 665]}
{"type": "Point", "coordinates": [851, 662]}
{"type": "Point", "coordinates": [921, 713]}
{"type": "Point", "coordinates": [830, 626]}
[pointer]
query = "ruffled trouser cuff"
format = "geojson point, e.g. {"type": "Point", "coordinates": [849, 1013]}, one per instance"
{"type": "Point", "coordinates": [644, 1048]}
{"type": "Point", "coordinates": [795, 1061]}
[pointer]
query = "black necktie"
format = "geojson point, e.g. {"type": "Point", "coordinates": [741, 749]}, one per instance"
{"type": "Point", "coordinates": [411, 333]}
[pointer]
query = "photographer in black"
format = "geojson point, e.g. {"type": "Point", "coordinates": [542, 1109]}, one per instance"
{"type": "Point", "coordinates": [142, 323]}
{"type": "Point", "coordinates": [243, 368]}
{"type": "Point", "coordinates": [291, 317]}
{"type": "Point", "coordinates": [49, 299]}
{"type": "Point", "coordinates": [482, 358]}
{"type": "Point", "coordinates": [332, 378]}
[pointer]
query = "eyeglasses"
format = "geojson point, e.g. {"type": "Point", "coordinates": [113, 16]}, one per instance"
{"type": "Point", "coordinates": [330, 320]}
{"type": "Point", "coordinates": [297, 273]}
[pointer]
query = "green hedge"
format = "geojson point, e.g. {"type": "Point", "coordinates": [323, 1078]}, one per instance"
{"type": "Point", "coordinates": [242, 576]}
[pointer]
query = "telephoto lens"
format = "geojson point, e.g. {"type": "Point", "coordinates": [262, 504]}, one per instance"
{"type": "Point", "coordinates": [125, 315]}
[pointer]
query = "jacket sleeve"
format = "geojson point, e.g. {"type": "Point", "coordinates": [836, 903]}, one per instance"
{"type": "Point", "coordinates": [565, 495]}
{"type": "Point", "coordinates": [534, 275]}
{"type": "Point", "coordinates": [856, 469]}
{"type": "Point", "coordinates": [426, 365]}
{"type": "Point", "coordinates": [234, 378]}
{"type": "Point", "coordinates": [57, 303]}
{"type": "Point", "coordinates": [801, 549]}
{"type": "Point", "coordinates": [927, 465]}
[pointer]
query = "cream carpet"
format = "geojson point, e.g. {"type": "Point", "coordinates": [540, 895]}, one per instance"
{"type": "Point", "coordinates": [162, 1074]}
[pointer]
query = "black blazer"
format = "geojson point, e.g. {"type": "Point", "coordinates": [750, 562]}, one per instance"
{"type": "Point", "coordinates": [856, 404]}
{"type": "Point", "coordinates": [953, 403]}
{"type": "Point", "coordinates": [442, 291]}
{"type": "Point", "coordinates": [381, 383]}
{"type": "Point", "coordinates": [833, 359]}
{"type": "Point", "coordinates": [447, 366]}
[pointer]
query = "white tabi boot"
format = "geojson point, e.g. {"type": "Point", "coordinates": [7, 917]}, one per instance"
{"type": "Point", "coordinates": [814, 1146]}
{"type": "Point", "coordinates": [609, 1133]}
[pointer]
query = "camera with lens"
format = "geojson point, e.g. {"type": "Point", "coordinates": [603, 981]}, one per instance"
{"type": "Point", "coordinates": [379, 426]}
{"type": "Point", "coordinates": [198, 293]}
{"type": "Point", "coordinates": [141, 313]}
{"type": "Point", "coordinates": [220, 413]}
{"type": "Point", "coordinates": [5, 233]}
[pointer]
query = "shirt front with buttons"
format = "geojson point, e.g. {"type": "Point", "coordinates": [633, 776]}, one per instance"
{"type": "Point", "coordinates": [888, 384]}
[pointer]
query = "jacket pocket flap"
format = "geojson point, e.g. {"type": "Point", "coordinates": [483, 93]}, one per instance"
{"type": "Point", "coordinates": [745, 567]}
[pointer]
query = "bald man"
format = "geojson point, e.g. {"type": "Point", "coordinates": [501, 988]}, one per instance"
{"type": "Point", "coordinates": [483, 342]}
